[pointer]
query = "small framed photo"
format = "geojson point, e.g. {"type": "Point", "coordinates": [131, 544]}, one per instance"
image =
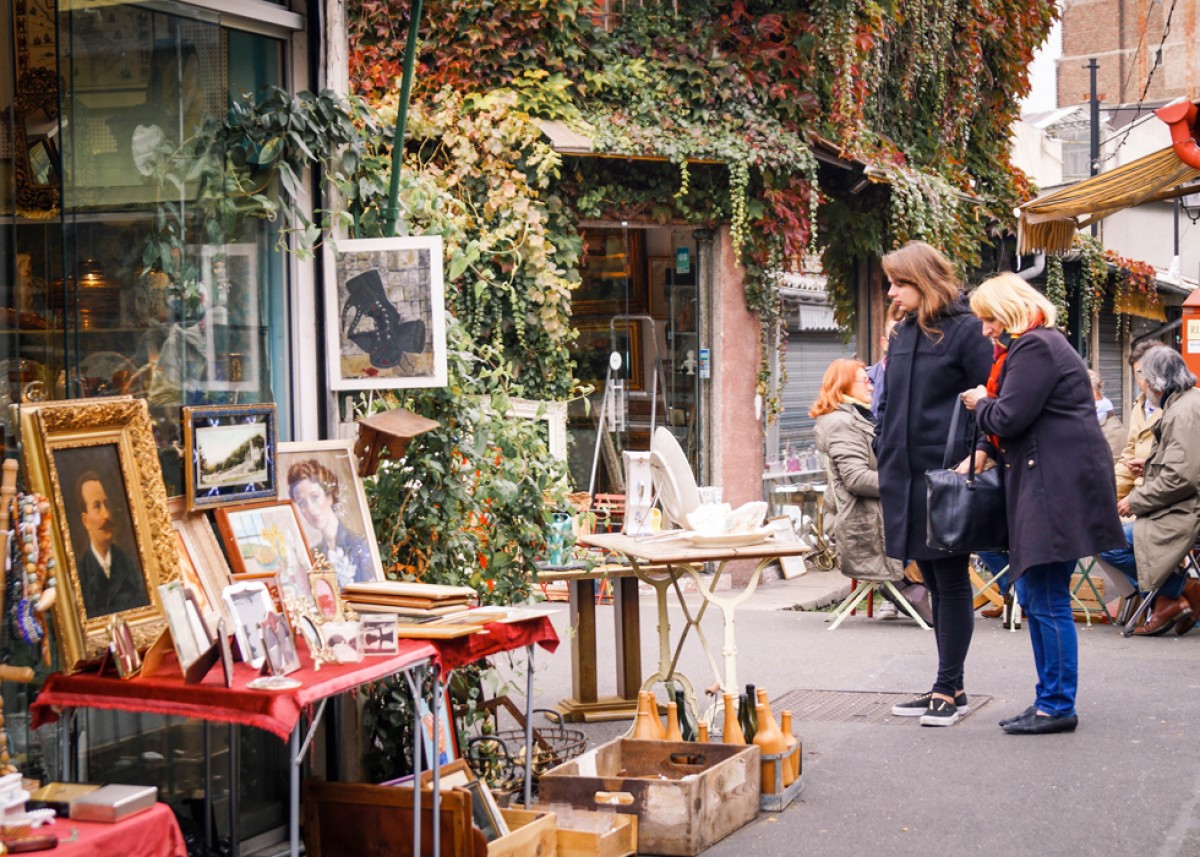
{"type": "Point", "coordinates": [124, 649]}
{"type": "Point", "coordinates": [230, 454]}
{"type": "Point", "coordinates": [325, 596]}
{"type": "Point", "coordinates": [266, 538]}
{"type": "Point", "coordinates": [321, 479]}
{"type": "Point", "coordinates": [279, 645]}
{"type": "Point", "coordinates": [379, 633]}
{"type": "Point", "coordinates": [249, 603]}
{"type": "Point", "coordinates": [189, 632]}
{"type": "Point", "coordinates": [485, 811]}
{"type": "Point", "coordinates": [226, 652]}
{"type": "Point", "coordinates": [344, 641]}
{"type": "Point", "coordinates": [311, 632]}
{"type": "Point", "coordinates": [269, 580]}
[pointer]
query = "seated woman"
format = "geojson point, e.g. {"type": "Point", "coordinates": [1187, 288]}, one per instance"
{"type": "Point", "coordinates": [1167, 503]}
{"type": "Point", "coordinates": [844, 432]}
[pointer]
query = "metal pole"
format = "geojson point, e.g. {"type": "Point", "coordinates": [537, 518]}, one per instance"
{"type": "Point", "coordinates": [410, 59]}
{"type": "Point", "coordinates": [1094, 121]}
{"type": "Point", "coordinates": [529, 726]}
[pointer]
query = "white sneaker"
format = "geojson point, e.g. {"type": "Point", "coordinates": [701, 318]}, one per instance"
{"type": "Point", "coordinates": [886, 610]}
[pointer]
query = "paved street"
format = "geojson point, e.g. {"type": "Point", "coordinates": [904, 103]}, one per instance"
{"type": "Point", "coordinates": [1126, 782]}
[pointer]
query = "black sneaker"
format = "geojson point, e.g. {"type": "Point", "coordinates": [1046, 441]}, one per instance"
{"type": "Point", "coordinates": [917, 707]}
{"type": "Point", "coordinates": [940, 713]}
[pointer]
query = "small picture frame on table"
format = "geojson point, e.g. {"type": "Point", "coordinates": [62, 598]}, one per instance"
{"type": "Point", "coordinates": [379, 633]}
{"type": "Point", "coordinates": [229, 455]}
{"type": "Point", "coordinates": [343, 641]}
{"type": "Point", "coordinates": [249, 603]}
{"type": "Point", "coordinates": [485, 811]}
{"type": "Point", "coordinates": [279, 645]}
{"type": "Point", "coordinates": [202, 565]}
{"type": "Point", "coordinates": [325, 594]}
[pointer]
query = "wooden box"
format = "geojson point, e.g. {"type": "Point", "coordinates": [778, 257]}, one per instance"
{"type": "Point", "coordinates": [530, 834]}
{"type": "Point", "coordinates": [621, 841]}
{"type": "Point", "coordinates": [355, 818]}
{"type": "Point", "coordinates": [1087, 598]}
{"type": "Point", "coordinates": [686, 796]}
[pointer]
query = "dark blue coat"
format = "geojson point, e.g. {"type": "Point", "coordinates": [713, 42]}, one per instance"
{"type": "Point", "coordinates": [1058, 480]}
{"type": "Point", "coordinates": [922, 383]}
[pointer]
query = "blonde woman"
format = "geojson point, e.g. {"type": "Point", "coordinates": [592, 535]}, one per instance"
{"type": "Point", "coordinates": [1039, 416]}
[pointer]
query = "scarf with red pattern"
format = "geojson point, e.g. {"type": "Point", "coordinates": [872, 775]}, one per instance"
{"type": "Point", "coordinates": [999, 355]}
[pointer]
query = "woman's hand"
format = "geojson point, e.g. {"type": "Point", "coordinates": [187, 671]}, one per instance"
{"type": "Point", "coordinates": [971, 397]}
{"type": "Point", "coordinates": [982, 462]}
{"type": "Point", "coordinates": [1123, 508]}
{"type": "Point", "coordinates": [1137, 466]}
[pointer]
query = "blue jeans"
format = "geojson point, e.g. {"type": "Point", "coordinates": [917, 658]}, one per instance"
{"type": "Point", "coordinates": [1045, 595]}
{"type": "Point", "coordinates": [997, 562]}
{"type": "Point", "coordinates": [1123, 560]}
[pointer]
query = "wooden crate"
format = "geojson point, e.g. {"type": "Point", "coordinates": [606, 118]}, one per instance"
{"type": "Point", "coordinates": [355, 818]}
{"type": "Point", "coordinates": [1088, 598]}
{"type": "Point", "coordinates": [531, 834]}
{"type": "Point", "coordinates": [686, 796]}
{"type": "Point", "coordinates": [621, 841]}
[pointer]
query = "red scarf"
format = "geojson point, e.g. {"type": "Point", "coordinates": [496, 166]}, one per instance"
{"type": "Point", "coordinates": [999, 355]}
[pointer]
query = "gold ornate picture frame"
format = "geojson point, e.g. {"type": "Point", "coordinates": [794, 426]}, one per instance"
{"type": "Point", "coordinates": [97, 461]}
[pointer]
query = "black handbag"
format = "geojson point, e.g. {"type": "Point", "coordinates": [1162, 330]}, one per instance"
{"type": "Point", "coordinates": [965, 513]}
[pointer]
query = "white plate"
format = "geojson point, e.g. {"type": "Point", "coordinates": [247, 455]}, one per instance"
{"type": "Point", "coordinates": [731, 540]}
{"type": "Point", "coordinates": [273, 682]}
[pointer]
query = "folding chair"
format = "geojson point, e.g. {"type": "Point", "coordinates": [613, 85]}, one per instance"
{"type": "Point", "coordinates": [864, 588]}
{"type": "Point", "coordinates": [1191, 568]}
{"type": "Point", "coordinates": [1011, 617]}
{"type": "Point", "coordinates": [1084, 568]}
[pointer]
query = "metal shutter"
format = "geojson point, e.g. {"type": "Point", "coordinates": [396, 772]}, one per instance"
{"type": "Point", "coordinates": [1109, 363]}
{"type": "Point", "coordinates": [808, 356]}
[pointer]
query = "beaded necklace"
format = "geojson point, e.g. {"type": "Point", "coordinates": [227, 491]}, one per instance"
{"type": "Point", "coordinates": [32, 567]}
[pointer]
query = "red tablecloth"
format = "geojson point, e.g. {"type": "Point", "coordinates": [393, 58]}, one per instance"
{"type": "Point", "coordinates": [275, 711]}
{"type": "Point", "coordinates": [153, 833]}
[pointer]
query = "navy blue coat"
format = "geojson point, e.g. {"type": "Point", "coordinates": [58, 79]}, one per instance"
{"type": "Point", "coordinates": [1058, 480]}
{"type": "Point", "coordinates": [921, 385]}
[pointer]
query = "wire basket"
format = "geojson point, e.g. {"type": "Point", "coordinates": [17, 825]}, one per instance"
{"type": "Point", "coordinates": [499, 758]}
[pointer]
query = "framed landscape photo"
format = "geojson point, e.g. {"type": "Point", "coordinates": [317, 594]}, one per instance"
{"type": "Point", "coordinates": [97, 462]}
{"type": "Point", "coordinates": [387, 327]}
{"type": "Point", "coordinates": [229, 454]}
{"type": "Point", "coordinates": [266, 539]}
{"type": "Point", "coordinates": [598, 338]}
{"type": "Point", "coordinates": [321, 479]}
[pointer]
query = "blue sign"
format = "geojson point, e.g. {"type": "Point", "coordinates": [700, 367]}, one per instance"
{"type": "Point", "coordinates": [683, 260]}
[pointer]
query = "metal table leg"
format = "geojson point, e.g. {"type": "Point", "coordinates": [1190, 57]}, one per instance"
{"type": "Point", "coordinates": [298, 748]}
{"type": "Point", "coordinates": [528, 726]}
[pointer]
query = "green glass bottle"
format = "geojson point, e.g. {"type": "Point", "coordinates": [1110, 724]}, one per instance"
{"type": "Point", "coordinates": [743, 717]}
{"type": "Point", "coordinates": [752, 711]}
{"type": "Point", "coordinates": [685, 718]}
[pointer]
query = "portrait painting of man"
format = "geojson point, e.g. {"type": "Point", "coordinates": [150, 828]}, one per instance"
{"type": "Point", "coordinates": [102, 536]}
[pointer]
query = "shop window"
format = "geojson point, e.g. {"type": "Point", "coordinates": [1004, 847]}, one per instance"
{"type": "Point", "coordinates": [95, 102]}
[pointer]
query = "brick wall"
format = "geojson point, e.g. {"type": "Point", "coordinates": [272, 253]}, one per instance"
{"type": "Point", "coordinates": [1124, 36]}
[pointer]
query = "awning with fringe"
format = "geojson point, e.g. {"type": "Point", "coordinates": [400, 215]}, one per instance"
{"type": "Point", "coordinates": [1048, 223]}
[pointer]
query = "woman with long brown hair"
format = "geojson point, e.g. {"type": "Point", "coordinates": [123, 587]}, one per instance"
{"type": "Point", "coordinates": [936, 352]}
{"type": "Point", "coordinates": [844, 431]}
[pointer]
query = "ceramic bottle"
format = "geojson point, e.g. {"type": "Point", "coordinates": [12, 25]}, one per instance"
{"type": "Point", "coordinates": [673, 733]}
{"type": "Point", "coordinates": [770, 741]}
{"type": "Point", "coordinates": [791, 768]}
{"type": "Point", "coordinates": [732, 733]}
{"type": "Point", "coordinates": [702, 732]}
{"type": "Point", "coordinates": [642, 730]}
{"type": "Point", "coordinates": [648, 704]}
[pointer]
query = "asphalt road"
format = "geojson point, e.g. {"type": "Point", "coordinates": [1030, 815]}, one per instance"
{"type": "Point", "coordinates": [1127, 782]}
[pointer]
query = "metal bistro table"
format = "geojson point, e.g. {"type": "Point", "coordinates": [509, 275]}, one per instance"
{"type": "Point", "coordinates": [661, 560]}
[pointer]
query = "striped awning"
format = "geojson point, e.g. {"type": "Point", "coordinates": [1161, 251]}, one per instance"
{"type": "Point", "coordinates": [1048, 223]}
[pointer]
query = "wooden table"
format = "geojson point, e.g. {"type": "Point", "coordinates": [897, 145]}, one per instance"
{"type": "Point", "coordinates": [661, 560]}
{"type": "Point", "coordinates": [585, 704]}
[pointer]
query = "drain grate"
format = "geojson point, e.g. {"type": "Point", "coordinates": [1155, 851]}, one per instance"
{"type": "Point", "coordinates": [852, 706]}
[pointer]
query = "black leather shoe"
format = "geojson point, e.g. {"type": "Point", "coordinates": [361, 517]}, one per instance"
{"type": "Point", "coordinates": [1037, 724]}
{"type": "Point", "coordinates": [1030, 710]}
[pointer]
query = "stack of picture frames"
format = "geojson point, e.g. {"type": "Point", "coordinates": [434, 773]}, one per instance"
{"type": "Point", "coordinates": [140, 575]}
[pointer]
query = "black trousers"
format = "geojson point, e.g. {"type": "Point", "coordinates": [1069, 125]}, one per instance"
{"type": "Point", "coordinates": [949, 585]}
